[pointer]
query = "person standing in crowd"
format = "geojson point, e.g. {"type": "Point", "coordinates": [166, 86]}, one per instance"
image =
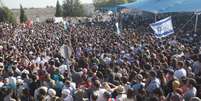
{"type": "Point", "coordinates": [192, 91]}
{"type": "Point", "coordinates": [180, 72]}
{"type": "Point", "coordinates": [154, 82]}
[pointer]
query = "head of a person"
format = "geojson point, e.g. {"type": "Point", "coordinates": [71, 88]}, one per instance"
{"type": "Point", "coordinates": [180, 64]}
{"type": "Point", "coordinates": [152, 74]}
{"type": "Point", "coordinates": [170, 74]}
{"type": "Point", "coordinates": [107, 95]}
{"type": "Point", "coordinates": [42, 91]}
{"type": "Point", "coordinates": [175, 85]}
{"type": "Point", "coordinates": [120, 89]}
{"type": "Point", "coordinates": [139, 77]}
{"type": "Point", "coordinates": [51, 92]}
{"type": "Point", "coordinates": [67, 82]}
{"type": "Point", "coordinates": [191, 82]}
{"type": "Point", "coordinates": [65, 92]}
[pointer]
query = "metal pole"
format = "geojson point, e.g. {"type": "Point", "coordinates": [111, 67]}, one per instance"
{"type": "Point", "coordinates": [196, 22]}
{"type": "Point", "coordinates": [155, 17]}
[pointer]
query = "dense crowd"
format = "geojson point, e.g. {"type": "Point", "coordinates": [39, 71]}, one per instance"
{"type": "Point", "coordinates": [99, 66]}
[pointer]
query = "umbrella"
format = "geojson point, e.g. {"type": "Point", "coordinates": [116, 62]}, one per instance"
{"type": "Point", "coordinates": [165, 6]}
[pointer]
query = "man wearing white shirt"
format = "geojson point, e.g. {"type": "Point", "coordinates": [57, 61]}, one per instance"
{"type": "Point", "coordinates": [180, 72]}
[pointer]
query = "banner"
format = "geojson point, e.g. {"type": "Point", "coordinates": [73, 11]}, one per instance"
{"type": "Point", "coordinates": [58, 19]}
{"type": "Point", "coordinates": [163, 27]}
{"type": "Point", "coordinates": [117, 27]}
{"type": "Point", "coordinates": [65, 51]}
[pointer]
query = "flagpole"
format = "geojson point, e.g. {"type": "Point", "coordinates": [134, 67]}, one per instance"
{"type": "Point", "coordinates": [155, 17]}
{"type": "Point", "coordinates": [197, 13]}
{"type": "Point", "coordinates": [196, 21]}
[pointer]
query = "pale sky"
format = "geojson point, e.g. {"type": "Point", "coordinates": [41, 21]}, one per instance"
{"type": "Point", "coordinates": [34, 3]}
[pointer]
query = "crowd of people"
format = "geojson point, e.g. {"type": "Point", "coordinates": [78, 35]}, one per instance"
{"type": "Point", "coordinates": [98, 65]}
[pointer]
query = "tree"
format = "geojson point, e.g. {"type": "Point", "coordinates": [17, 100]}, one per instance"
{"type": "Point", "coordinates": [6, 15]}
{"type": "Point", "coordinates": [72, 8]}
{"type": "Point", "coordinates": [23, 17]}
{"type": "Point", "coordinates": [58, 10]}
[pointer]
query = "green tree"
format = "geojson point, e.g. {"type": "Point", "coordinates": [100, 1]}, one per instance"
{"type": "Point", "coordinates": [72, 8]}
{"type": "Point", "coordinates": [6, 15]}
{"type": "Point", "coordinates": [23, 17]}
{"type": "Point", "coordinates": [58, 10]}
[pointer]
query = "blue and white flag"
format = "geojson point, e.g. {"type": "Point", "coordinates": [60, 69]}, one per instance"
{"type": "Point", "coordinates": [117, 28]}
{"type": "Point", "coordinates": [163, 27]}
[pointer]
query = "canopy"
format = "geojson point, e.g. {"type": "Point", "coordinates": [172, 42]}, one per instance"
{"type": "Point", "coordinates": [165, 6]}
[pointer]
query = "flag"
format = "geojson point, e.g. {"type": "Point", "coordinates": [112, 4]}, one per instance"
{"type": "Point", "coordinates": [117, 27]}
{"type": "Point", "coordinates": [163, 27]}
{"type": "Point", "coordinates": [65, 26]}
{"type": "Point", "coordinates": [65, 51]}
{"type": "Point", "coordinates": [29, 24]}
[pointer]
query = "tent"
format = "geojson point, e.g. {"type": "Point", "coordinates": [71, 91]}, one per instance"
{"type": "Point", "coordinates": [166, 6]}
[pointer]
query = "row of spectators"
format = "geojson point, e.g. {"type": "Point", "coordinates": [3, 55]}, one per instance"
{"type": "Point", "coordinates": [101, 66]}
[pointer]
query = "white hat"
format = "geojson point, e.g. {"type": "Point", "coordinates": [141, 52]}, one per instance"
{"type": "Point", "coordinates": [52, 92]}
{"type": "Point", "coordinates": [44, 88]}
{"type": "Point", "coordinates": [30, 52]}
{"type": "Point", "coordinates": [25, 71]}
{"type": "Point", "coordinates": [19, 81]}
{"type": "Point", "coordinates": [120, 89]}
{"type": "Point", "coordinates": [65, 92]}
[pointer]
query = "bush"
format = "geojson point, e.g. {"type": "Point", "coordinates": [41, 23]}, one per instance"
{"type": "Point", "coordinates": [6, 15]}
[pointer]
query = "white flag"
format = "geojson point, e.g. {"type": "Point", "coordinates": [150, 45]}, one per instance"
{"type": "Point", "coordinates": [66, 51]}
{"type": "Point", "coordinates": [65, 25]}
{"type": "Point", "coordinates": [163, 27]}
{"type": "Point", "coordinates": [117, 27]}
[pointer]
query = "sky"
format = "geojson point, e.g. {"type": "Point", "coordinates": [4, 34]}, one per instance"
{"type": "Point", "coordinates": [34, 3]}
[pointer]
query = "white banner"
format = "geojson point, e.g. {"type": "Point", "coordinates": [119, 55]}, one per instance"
{"type": "Point", "coordinates": [163, 27]}
{"type": "Point", "coordinates": [58, 19]}
{"type": "Point", "coordinates": [66, 51]}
